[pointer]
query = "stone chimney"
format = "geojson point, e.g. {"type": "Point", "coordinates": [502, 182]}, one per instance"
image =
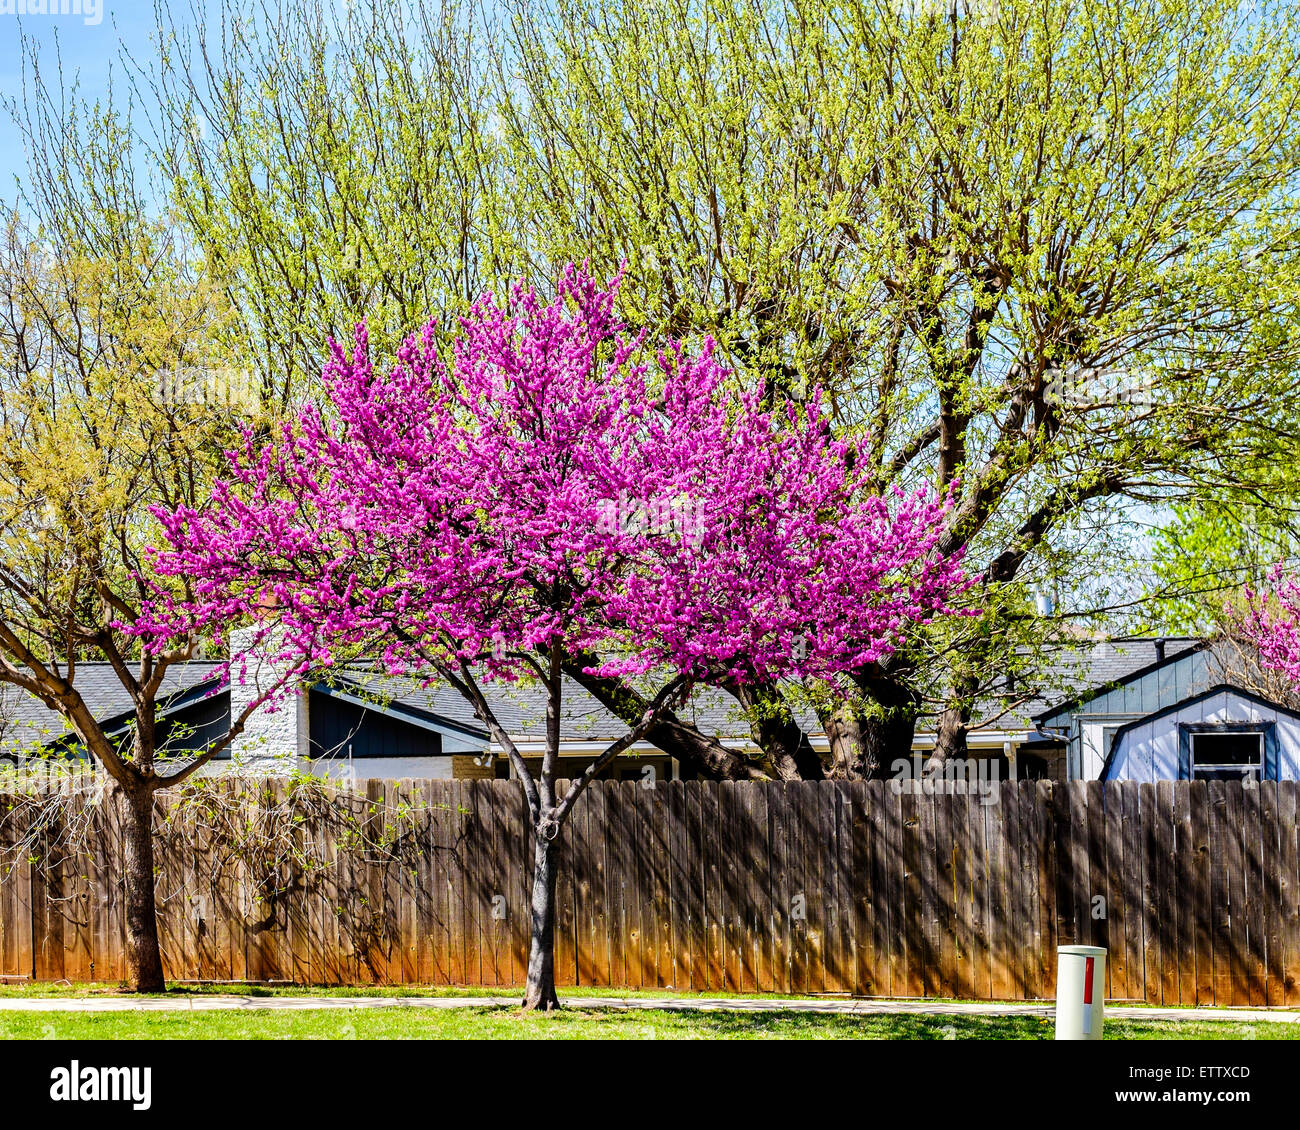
{"type": "Point", "coordinates": [276, 735]}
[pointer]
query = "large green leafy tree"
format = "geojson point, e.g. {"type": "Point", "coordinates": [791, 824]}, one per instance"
{"type": "Point", "coordinates": [1044, 250]}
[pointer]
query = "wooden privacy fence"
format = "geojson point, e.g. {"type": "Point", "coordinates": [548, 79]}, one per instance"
{"type": "Point", "coordinates": [788, 888]}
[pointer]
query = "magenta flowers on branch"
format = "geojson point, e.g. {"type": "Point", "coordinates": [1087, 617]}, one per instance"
{"type": "Point", "coordinates": [1271, 621]}
{"type": "Point", "coordinates": [551, 493]}
{"type": "Point", "coordinates": [469, 508]}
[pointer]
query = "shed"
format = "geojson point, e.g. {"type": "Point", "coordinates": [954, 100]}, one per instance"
{"type": "Point", "coordinates": [1224, 733]}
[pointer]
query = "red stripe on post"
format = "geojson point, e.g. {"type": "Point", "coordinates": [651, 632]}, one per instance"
{"type": "Point", "coordinates": [1087, 980]}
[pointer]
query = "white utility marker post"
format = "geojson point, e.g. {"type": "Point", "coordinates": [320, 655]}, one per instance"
{"type": "Point", "coordinates": [1080, 992]}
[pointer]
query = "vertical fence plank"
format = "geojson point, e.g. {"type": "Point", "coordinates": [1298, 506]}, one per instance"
{"type": "Point", "coordinates": [494, 871]}
{"type": "Point", "coordinates": [1184, 927]}
{"type": "Point", "coordinates": [1092, 906]}
{"type": "Point", "coordinates": [895, 893]}
{"type": "Point", "coordinates": [228, 893]}
{"type": "Point", "coordinates": [710, 854]}
{"type": "Point", "coordinates": [1290, 891]}
{"type": "Point", "coordinates": [272, 918]}
{"type": "Point", "coordinates": [877, 900]}
{"type": "Point", "coordinates": [814, 861]}
{"type": "Point", "coordinates": [1151, 892]}
{"type": "Point", "coordinates": [731, 889]}
{"type": "Point", "coordinates": [829, 942]}
{"type": "Point", "coordinates": [17, 952]}
{"type": "Point", "coordinates": [1271, 880]}
{"type": "Point", "coordinates": [860, 872]}
{"type": "Point", "coordinates": [982, 956]}
{"type": "Point", "coordinates": [1116, 912]}
{"type": "Point", "coordinates": [999, 818]}
{"type": "Point", "coordinates": [406, 818]}
{"type": "Point", "coordinates": [1235, 856]}
{"type": "Point", "coordinates": [946, 900]}
{"type": "Point", "coordinates": [457, 879]}
{"type": "Point", "coordinates": [1200, 898]}
{"type": "Point", "coordinates": [1167, 893]}
{"type": "Point", "coordinates": [912, 936]}
{"type": "Point", "coordinates": [475, 900]}
{"type": "Point", "coordinates": [1221, 953]}
{"type": "Point", "coordinates": [654, 800]}
{"type": "Point", "coordinates": [422, 881]}
{"type": "Point", "coordinates": [1072, 864]}
{"type": "Point", "coordinates": [1132, 887]}
{"type": "Point", "coordinates": [1047, 835]}
{"type": "Point", "coordinates": [597, 856]}
{"type": "Point", "coordinates": [929, 880]}
{"type": "Point", "coordinates": [844, 975]}
{"type": "Point", "coordinates": [328, 967]}
{"type": "Point", "coordinates": [617, 862]}
{"type": "Point", "coordinates": [963, 909]}
{"type": "Point", "coordinates": [796, 865]}
{"type": "Point", "coordinates": [772, 888]}
{"type": "Point", "coordinates": [1019, 934]}
{"type": "Point", "coordinates": [758, 888]}
{"type": "Point", "coordinates": [581, 855]}
{"type": "Point", "coordinates": [1254, 943]}
{"type": "Point", "coordinates": [47, 897]}
{"type": "Point", "coordinates": [80, 905]}
{"type": "Point", "coordinates": [566, 962]}
{"type": "Point", "coordinates": [679, 883]}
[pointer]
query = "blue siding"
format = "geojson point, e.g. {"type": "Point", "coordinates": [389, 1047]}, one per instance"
{"type": "Point", "coordinates": [336, 724]}
{"type": "Point", "coordinates": [1178, 679]}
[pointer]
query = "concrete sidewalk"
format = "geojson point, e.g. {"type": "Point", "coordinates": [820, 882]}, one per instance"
{"type": "Point", "coordinates": [200, 1003]}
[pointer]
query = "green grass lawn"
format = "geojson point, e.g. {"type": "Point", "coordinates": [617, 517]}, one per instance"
{"type": "Point", "coordinates": [241, 989]}
{"type": "Point", "coordinates": [574, 1023]}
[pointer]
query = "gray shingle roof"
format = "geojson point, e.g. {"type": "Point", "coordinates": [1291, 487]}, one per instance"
{"type": "Point", "coordinates": [521, 708]}
{"type": "Point", "coordinates": [1069, 671]}
{"type": "Point", "coordinates": [26, 722]}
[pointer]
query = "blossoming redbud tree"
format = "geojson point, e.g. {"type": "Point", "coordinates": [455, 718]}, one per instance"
{"type": "Point", "coordinates": [549, 488]}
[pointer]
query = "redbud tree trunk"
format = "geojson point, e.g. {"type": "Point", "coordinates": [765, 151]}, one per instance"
{"type": "Point", "coordinates": [539, 990]}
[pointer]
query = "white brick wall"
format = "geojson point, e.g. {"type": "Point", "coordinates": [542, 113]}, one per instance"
{"type": "Point", "coordinates": [276, 735]}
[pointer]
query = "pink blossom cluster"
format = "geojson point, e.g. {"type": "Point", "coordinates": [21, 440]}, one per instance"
{"type": "Point", "coordinates": [1272, 623]}
{"type": "Point", "coordinates": [454, 508]}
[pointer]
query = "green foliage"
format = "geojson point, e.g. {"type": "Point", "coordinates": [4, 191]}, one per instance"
{"type": "Point", "coordinates": [962, 230]}
{"type": "Point", "coordinates": [1205, 554]}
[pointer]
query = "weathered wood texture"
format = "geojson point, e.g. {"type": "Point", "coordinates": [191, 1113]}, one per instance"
{"type": "Point", "coordinates": [783, 887]}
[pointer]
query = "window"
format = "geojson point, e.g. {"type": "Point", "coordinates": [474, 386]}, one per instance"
{"type": "Point", "coordinates": [1233, 755]}
{"type": "Point", "coordinates": [1031, 767]}
{"type": "Point", "coordinates": [1108, 739]}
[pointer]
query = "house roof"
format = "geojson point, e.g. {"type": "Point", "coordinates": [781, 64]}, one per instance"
{"type": "Point", "coordinates": [1077, 671]}
{"type": "Point", "coordinates": [1069, 674]}
{"type": "Point", "coordinates": [27, 723]}
{"type": "Point", "coordinates": [521, 708]}
{"type": "Point", "coordinates": [1110, 668]}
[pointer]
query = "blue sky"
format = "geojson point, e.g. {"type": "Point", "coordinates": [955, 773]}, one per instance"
{"type": "Point", "coordinates": [88, 51]}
